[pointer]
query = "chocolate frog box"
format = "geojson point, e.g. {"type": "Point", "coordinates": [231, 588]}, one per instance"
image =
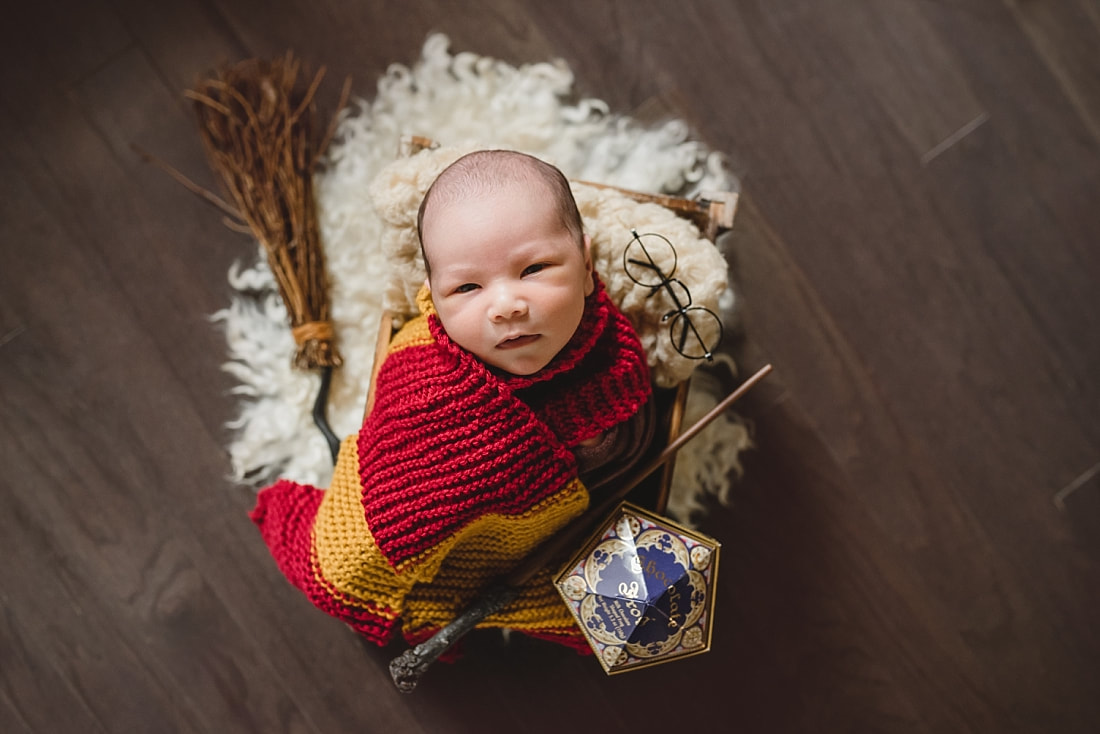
{"type": "Point", "coordinates": [642, 590]}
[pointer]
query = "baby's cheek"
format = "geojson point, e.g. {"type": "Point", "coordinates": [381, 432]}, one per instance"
{"type": "Point", "coordinates": [466, 332]}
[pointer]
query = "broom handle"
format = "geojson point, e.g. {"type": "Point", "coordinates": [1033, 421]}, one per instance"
{"type": "Point", "coordinates": [320, 419]}
{"type": "Point", "coordinates": [407, 668]}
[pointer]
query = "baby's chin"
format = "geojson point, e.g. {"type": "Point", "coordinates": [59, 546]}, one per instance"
{"type": "Point", "coordinates": [524, 367]}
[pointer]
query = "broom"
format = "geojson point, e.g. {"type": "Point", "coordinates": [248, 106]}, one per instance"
{"type": "Point", "coordinates": [258, 126]}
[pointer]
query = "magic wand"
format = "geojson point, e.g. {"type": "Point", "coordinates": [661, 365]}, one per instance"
{"type": "Point", "coordinates": [407, 668]}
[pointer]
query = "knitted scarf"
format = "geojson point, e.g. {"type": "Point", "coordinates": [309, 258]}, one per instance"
{"type": "Point", "coordinates": [456, 475]}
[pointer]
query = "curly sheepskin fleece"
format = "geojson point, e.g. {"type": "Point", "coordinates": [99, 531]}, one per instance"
{"type": "Point", "coordinates": [468, 101]}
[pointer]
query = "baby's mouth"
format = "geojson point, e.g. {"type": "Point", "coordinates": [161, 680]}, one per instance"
{"type": "Point", "coordinates": [517, 341]}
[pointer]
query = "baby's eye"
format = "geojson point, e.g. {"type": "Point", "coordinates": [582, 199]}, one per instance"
{"type": "Point", "coordinates": [532, 269]}
{"type": "Point", "coordinates": [466, 288]}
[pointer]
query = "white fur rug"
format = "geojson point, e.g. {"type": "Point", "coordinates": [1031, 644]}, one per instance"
{"type": "Point", "coordinates": [459, 99]}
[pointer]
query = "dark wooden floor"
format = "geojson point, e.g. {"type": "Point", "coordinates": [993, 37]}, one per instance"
{"type": "Point", "coordinates": [916, 543]}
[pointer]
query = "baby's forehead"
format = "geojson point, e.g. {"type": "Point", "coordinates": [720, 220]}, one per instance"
{"type": "Point", "coordinates": [456, 190]}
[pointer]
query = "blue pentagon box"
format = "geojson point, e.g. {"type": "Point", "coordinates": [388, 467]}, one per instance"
{"type": "Point", "coordinates": [642, 590]}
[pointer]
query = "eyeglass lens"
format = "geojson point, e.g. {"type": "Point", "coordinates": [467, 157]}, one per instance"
{"type": "Point", "coordinates": [649, 260]}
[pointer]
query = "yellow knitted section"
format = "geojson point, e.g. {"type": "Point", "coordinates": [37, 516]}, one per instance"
{"type": "Point", "coordinates": [424, 303]}
{"type": "Point", "coordinates": [351, 566]}
{"type": "Point", "coordinates": [413, 334]}
{"type": "Point", "coordinates": [346, 559]}
{"type": "Point", "coordinates": [487, 550]}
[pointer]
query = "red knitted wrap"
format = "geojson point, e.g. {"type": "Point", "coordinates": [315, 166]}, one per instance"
{"type": "Point", "coordinates": [450, 439]}
{"type": "Point", "coordinates": [451, 442]}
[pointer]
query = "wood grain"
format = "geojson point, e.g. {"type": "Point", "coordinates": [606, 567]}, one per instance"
{"type": "Point", "coordinates": [913, 546]}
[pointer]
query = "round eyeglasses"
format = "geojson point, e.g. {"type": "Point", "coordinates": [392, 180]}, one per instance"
{"type": "Point", "coordinates": [692, 329]}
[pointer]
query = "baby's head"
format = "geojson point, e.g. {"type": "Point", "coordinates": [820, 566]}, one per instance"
{"type": "Point", "coordinates": [508, 262]}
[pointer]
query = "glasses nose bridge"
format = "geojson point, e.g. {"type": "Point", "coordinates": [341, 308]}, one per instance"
{"type": "Point", "coordinates": [679, 293]}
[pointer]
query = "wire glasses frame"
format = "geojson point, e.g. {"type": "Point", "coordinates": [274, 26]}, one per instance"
{"type": "Point", "coordinates": [688, 322]}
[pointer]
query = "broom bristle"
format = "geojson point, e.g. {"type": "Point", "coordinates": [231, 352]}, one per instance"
{"type": "Point", "coordinates": [258, 127]}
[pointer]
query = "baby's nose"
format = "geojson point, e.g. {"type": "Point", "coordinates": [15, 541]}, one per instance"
{"type": "Point", "coordinates": [507, 303]}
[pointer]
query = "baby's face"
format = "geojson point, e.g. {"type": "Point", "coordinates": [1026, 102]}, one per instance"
{"type": "Point", "coordinates": [508, 281]}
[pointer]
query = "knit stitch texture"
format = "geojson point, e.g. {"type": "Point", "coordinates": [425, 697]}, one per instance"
{"type": "Point", "coordinates": [457, 474]}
